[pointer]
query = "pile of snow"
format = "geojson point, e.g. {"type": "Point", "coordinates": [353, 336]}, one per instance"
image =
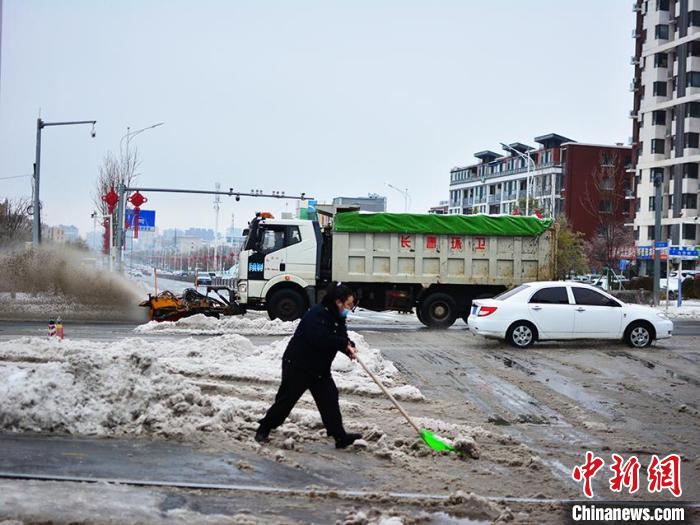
{"type": "Point", "coordinates": [141, 386]}
{"type": "Point", "coordinates": [202, 325]}
{"type": "Point", "coordinates": [689, 309]}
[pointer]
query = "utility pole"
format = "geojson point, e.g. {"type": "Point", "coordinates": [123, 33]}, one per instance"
{"type": "Point", "coordinates": [36, 206]}
{"type": "Point", "coordinates": [217, 204]}
{"type": "Point", "coordinates": [658, 182]}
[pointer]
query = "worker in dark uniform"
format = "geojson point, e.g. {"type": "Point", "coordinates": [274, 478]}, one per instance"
{"type": "Point", "coordinates": [306, 365]}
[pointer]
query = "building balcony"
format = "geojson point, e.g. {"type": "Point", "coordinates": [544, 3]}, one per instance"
{"type": "Point", "coordinates": [493, 199]}
{"type": "Point", "coordinates": [506, 173]}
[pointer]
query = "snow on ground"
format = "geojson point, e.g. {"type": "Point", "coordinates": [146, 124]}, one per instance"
{"type": "Point", "coordinates": [364, 317]}
{"type": "Point", "coordinates": [250, 324]}
{"type": "Point", "coordinates": [689, 310]}
{"type": "Point", "coordinates": [258, 323]}
{"type": "Point", "coordinates": [140, 386]}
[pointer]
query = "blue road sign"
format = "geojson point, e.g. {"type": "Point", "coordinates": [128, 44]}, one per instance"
{"type": "Point", "coordinates": [147, 219]}
{"type": "Point", "coordinates": [681, 251]}
{"type": "Point", "coordinates": [311, 206]}
{"type": "Point", "coordinates": [661, 244]}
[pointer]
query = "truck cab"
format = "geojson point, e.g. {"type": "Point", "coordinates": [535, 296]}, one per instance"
{"type": "Point", "coordinates": [279, 266]}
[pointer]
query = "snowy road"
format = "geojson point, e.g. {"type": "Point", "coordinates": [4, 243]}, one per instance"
{"type": "Point", "coordinates": [533, 415]}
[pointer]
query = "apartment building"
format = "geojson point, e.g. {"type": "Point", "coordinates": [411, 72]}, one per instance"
{"type": "Point", "coordinates": [666, 119]}
{"type": "Point", "coordinates": [586, 182]}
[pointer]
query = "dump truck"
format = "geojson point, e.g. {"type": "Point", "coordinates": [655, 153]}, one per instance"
{"type": "Point", "coordinates": [434, 265]}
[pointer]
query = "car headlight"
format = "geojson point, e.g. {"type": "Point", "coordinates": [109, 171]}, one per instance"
{"type": "Point", "coordinates": [662, 315]}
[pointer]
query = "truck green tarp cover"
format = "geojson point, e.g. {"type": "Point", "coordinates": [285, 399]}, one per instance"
{"type": "Point", "coordinates": [487, 225]}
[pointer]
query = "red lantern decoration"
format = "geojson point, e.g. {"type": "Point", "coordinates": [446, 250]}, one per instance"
{"type": "Point", "coordinates": [137, 200]}
{"type": "Point", "coordinates": [111, 198]}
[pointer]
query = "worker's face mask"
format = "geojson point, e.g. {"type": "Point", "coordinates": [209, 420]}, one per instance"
{"type": "Point", "coordinates": [346, 307]}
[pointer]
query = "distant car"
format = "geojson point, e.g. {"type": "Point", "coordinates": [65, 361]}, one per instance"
{"type": "Point", "coordinates": [203, 279]}
{"type": "Point", "coordinates": [565, 310]}
{"type": "Point", "coordinates": [672, 282]}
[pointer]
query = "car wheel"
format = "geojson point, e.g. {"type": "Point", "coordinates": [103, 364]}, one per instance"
{"type": "Point", "coordinates": [521, 334]}
{"type": "Point", "coordinates": [639, 335]}
{"type": "Point", "coordinates": [287, 305]}
{"type": "Point", "coordinates": [438, 310]}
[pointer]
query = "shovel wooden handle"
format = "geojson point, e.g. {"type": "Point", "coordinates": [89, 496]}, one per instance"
{"type": "Point", "coordinates": [388, 394]}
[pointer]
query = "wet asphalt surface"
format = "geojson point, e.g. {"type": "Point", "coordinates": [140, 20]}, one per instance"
{"type": "Point", "coordinates": [559, 398]}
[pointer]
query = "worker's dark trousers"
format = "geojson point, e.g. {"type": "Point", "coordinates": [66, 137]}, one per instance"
{"type": "Point", "coordinates": [295, 381]}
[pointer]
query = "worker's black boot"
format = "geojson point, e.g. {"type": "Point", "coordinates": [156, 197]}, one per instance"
{"type": "Point", "coordinates": [262, 435]}
{"type": "Point", "coordinates": [346, 440]}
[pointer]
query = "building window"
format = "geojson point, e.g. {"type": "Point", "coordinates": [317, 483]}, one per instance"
{"type": "Point", "coordinates": [658, 118]}
{"type": "Point", "coordinates": [690, 170]}
{"type": "Point", "coordinates": [661, 60]}
{"type": "Point", "coordinates": [605, 206]}
{"type": "Point", "coordinates": [691, 140]}
{"type": "Point", "coordinates": [689, 231]}
{"type": "Point", "coordinates": [693, 18]}
{"type": "Point", "coordinates": [692, 109]}
{"type": "Point", "coordinates": [694, 48]}
{"type": "Point", "coordinates": [654, 172]}
{"type": "Point", "coordinates": [690, 201]}
{"type": "Point", "coordinates": [636, 205]}
{"type": "Point", "coordinates": [658, 146]}
{"type": "Point", "coordinates": [659, 89]}
{"type": "Point", "coordinates": [636, 234]}
{"type": "Point", "coordinates": [661, 32]}
{"type": "Point", "coordinates": [693, 78]}
{"type": "Point", "coordinates": [652, 203]}
{"type": "Point", "coordinates": [650, 233]}
{"type": "Point", "coordinates": [662, 5]}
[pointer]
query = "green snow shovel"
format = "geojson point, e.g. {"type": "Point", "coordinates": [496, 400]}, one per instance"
{"type": "Point", "coordinates": [427, 436]}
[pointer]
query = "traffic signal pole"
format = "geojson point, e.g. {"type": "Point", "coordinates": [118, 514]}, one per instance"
{"type": "Point", "coordinates": [123, 190]}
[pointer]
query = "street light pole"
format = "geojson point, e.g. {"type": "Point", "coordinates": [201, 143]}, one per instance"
{"type": "Point", "coordinates": [658, 181]}
{"type": "Point", "coordinates": [530, 164]}
{"type": "Point", "coordinates": [36, 205]}
{"type": "Point", "coordinates": [121, 207]}
{"type": "Point", "coordinates": [404, 192]}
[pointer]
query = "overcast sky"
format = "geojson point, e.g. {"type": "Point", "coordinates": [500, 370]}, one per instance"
{"type": "Point", "coordinates": [328, 98]}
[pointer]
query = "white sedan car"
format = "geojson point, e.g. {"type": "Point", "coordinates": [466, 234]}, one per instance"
{"type": "Point", "coordinates": [565, 310]}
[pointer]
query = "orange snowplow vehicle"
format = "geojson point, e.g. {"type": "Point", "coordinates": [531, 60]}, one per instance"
{"type": "Point", "coordinates": [166, 306]}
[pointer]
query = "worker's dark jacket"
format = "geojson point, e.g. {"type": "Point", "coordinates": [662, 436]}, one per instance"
{"type": "Point", "coordinates": [320, 335]}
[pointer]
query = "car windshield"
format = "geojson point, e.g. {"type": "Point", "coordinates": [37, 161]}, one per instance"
{"type": "Point", "coordinates": [511, 293]}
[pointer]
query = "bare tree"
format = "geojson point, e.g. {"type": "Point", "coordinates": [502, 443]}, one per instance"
{"type": "Point", "coordinates": [114, 170]}
{"type": "Point", "coordinates": [15, 224]}
{"type": "Point", "coordinates": [604, 199]}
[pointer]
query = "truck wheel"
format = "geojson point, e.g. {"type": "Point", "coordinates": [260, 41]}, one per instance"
{"type": "Point", "coordinates": [287, 305]}
{"type": "Point", "coordinates": [438, 310]}
{"type": "Point", "coordinates": [418, 314]}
